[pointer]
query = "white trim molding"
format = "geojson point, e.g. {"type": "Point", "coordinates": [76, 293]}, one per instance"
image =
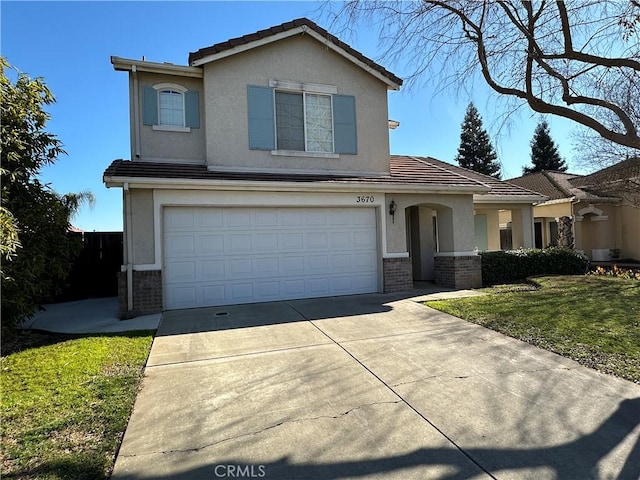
{"type": "Point", "coordinates": [471, 253]}
{"type": "Point", "coordinates": [396, 255]}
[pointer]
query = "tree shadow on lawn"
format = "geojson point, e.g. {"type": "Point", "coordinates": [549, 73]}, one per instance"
{"type": "Point", "coordinates": [27, 339]}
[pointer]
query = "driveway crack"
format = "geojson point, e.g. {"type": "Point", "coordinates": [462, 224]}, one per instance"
{"type": "Point", "coordinates": [479, 374]}
{"type": "Point", "coordinates": [262, 430]}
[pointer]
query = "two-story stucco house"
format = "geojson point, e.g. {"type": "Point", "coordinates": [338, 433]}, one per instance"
{"type": "Point", "coordinates": [261, 171]}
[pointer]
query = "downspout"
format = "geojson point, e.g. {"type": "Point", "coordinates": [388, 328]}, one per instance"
{"type": "Point", "coordinates": [129, 240]}
{"type": "Point", "coordinates": [136, 112]}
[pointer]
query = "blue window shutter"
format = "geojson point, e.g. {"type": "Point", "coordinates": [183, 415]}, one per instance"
{"type": "Point", "coordinates": [191, 109]}
{"type": "Point", "coordinates": [344, 124]}
{"type": "Point", "coordinates": [261, 118]}
{"type": "Point", "coordinates": [149, 105]}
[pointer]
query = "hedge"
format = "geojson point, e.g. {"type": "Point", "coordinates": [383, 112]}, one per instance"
{"type": "Point", "coordinates": [517, 265]}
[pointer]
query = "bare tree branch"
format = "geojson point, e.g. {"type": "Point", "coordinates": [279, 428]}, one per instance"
{"type": "Point", "coordinates": [579, 60]}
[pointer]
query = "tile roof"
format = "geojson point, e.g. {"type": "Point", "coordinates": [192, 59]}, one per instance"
{"type": "Point", "coordinates": [555, 185]}
{"type": "Point", "coordinates": [545, 183]}
{"type": "Point", "coordinates": [498, 187]}
{"type": "Point", "coordinates": [624, 170]}
{"type": "Point", "coordinates": [284, 27]}
{"type": "Point", "coordinates": [405, 170]}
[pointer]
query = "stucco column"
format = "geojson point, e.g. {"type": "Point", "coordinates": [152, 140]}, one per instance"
{"type": "Point", "coordinates": [522, 227]}
{"type": "Point", "coordinates": [577, 232]}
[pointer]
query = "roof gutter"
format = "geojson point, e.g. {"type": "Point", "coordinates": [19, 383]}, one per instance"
{"type": "Point", "coordinates": [488, 198]}
{"type": "Point", "coordinates": [127, 65]}
{"type": "Point", "coordinates": [176, 183]}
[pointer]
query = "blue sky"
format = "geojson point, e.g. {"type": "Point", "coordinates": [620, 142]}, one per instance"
{"type": "Point", "coordinates": [69, 44]}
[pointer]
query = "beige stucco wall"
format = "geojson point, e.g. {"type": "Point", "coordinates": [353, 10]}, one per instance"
{"type": "Point", "coordinates": [493, 227]}
{"type": "Point", "coordinates": [142, 226]}
{"type": "Point", "coordinates": [155, 145]}
{"type": "Point", "coordinates": [618, 226]}
{"type": "Point", "coordinates": [629, 241]}
{"type": "Point", "coordinates": [298, 59]}
{"type": "Point", "coordinates": [454, 218]}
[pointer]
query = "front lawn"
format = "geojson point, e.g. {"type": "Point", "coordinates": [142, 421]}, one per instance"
{"type": "Point", "coordinates": [594, 320]}
{"type": "Point", "coordinates": [65, 406]}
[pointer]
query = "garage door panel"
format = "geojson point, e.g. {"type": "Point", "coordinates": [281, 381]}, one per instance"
{"type": "Point", "coordinates": [238, 217]}
{"type": "Point", "coordinates": [292, 265]}
{"type": "Point", "coordinates": [213, 294]}
{"type": "Point", "coordinates": [317, 240]}
{"type": "Point", "coordinates": [265, 241]}
{"type": "Point", "coordinates": [292, 241]}
{"type": "Point", "coordinates": [215, 256]}
{"type": "Point", "coordinates": [212, 269]}
{"type": "Point", "coordinates": [182, 244]}
{"type": "Point", "coordinates": [263, 267]}
{"type": "Point", "coordinates": [210, 244]}
{"type": "Point", "coordinates": [210, 219]}
{"type": "Point", "coordinates": [266, 218]}
{"type": "Point", "coordinates": [363, 239]}
{"type": "Point", "coordinates": [183, 296]}
{"type": "Point", "coordinates": [315, 218]}
{"type": "Point", "coordinates": [182, 271]}
{"type": "Point", "coordinates": [178, 219]}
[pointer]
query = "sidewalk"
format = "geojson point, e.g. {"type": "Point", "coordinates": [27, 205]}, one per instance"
{"type": "Point", "coordinates": [94, 315]}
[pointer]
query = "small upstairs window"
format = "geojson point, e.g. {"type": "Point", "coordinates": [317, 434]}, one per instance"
{"type": "Point", "coordinates": [170, 107]}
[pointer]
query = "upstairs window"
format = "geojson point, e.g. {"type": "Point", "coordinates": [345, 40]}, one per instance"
{"type": "Point", "coordinates": [170, 107]}
{"type": "Point", "coordinates": [315, 122]}
{"type": "Point", "coordinates": [304, 122]}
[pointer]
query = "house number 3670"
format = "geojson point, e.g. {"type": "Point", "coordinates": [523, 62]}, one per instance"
{"type": "Point", "coordinates": [365, 199]}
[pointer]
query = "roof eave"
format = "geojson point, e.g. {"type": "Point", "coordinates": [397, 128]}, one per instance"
{"type": "Point", "coordinates": [128, 65]}
{"type": "Point", "coordinates": [328, 186]}
{"type": "Point", "coordinates": [504, 198]}
{"type": "Point", "coordinates": [391, 85]}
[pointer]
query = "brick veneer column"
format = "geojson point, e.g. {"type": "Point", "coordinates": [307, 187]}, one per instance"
{"type": "Point", "coordinates": [147, 293]}
{"type": "Point", "coordinates": [398, 274]}
{"type": "Point", "coordinates": [458, 272]}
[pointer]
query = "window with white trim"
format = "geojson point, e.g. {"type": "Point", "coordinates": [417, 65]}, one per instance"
{"type": "Point", "coordinates": [171, 108]}
{"type": "Point", "coordinates": [289, 118]}
{"type": "Point", "coordinates": [304, 122]}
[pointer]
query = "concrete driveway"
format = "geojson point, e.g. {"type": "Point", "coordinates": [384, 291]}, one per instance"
{"type": "Point", "coordinates": [364, 387]}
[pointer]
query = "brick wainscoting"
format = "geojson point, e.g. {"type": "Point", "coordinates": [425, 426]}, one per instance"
{"type": "Point", "coordinates": [458, 272]}
{"type": "Point", "coordinates": [398, 274]}
{"type": "Point", "coordinates": [147, 293]}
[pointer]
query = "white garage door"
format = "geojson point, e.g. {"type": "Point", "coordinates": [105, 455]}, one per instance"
{"type": "Point", "coordinates": [224, 256]}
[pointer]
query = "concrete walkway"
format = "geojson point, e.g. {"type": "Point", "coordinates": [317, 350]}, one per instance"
{"type": "Point", "coordinates": [95, 315]}
{"type": "Point", "coordinates": [369, 387]}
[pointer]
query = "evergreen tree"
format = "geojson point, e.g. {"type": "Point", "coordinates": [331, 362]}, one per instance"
{"type": "Point", "coordinates": [37, 252]}
{"type": "Point", "coordinates": [544, 153]}
{"type": "Point", "coordinates": [475, 151]}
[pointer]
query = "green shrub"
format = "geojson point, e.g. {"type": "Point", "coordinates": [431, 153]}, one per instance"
{"type": "Point", "coordinates": [517, 265]}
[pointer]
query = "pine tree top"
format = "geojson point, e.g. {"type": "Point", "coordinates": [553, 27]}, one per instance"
{"type": "Point", "coordinates": [544, 152]}
{"type": "Point", "coordinates": [475, 151]}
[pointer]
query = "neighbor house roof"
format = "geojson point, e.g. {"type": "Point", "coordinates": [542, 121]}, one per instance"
{"type": "Point", "coordinates": [622, 171]}
{"type": "Point", "coordinates": [287, 29]}
{"type": "Point", "coordinates": [498, 188]}
{"type": "Point", "coordinates": [405, 171]}
{"type": "Point", "coordinates": [557, 186]}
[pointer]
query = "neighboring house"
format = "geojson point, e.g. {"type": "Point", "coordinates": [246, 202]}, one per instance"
{"type": "Point", "coordinates": [603, 208]}
{"type": "Point", "coordinates": [261, 171]}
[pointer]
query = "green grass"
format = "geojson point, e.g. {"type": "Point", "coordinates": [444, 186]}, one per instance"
{"type": "Point", "coordinates": [65, 406]}
{"type": "Point", "coordinates": [594, 320]}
